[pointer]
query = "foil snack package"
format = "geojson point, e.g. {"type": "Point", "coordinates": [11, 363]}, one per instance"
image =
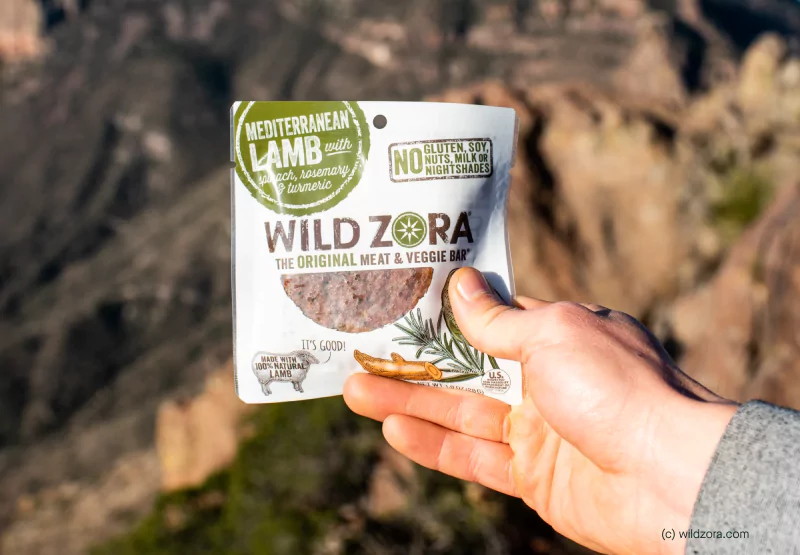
{"type": "Point", "coordinates": [348, 220]}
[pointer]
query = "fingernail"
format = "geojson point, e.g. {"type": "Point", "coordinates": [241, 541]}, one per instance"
{"type": "Point", "coordinates": [472, 285]}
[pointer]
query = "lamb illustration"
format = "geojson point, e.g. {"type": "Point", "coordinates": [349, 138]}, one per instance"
{"type": "Point", "coordinates": [289, 367]}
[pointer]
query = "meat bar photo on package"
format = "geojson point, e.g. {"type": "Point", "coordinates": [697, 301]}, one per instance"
{"type": "Point", "coordinates": [349, 219]}
{"type": "Point", "coordinates": [358, 301]}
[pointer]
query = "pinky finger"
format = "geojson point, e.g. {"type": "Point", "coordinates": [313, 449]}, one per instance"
{"type": "Point", "coordinates": [462, 456]}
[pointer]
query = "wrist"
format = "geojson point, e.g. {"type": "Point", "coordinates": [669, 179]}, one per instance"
{"type": "Point", "coordinates": [686, 444]}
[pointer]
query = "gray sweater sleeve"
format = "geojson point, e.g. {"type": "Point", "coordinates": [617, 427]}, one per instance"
{"type": "Point", "coordinates": [751, 492]}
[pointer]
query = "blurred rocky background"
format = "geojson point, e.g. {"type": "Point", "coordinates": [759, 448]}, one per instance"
{"type": "Point", "coordinates": [658, 174]}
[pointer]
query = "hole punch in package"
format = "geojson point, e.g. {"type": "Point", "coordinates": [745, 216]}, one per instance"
{"type": "Point", "coordinates": [349, 218]}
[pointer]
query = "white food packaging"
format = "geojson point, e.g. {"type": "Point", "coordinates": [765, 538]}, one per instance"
{"type": "Point", "coordinates": [348, 218]}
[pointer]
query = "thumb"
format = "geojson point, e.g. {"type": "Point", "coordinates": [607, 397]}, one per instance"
{"type": "Point", "coordinates": [488, 323]}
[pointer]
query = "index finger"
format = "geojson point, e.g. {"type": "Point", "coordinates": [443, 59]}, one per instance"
{"type": "Point", "coordinates": [474, 415]}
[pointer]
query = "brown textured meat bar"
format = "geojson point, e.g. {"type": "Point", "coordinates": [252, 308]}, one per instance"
{"type": "Point", "coordinates": [356, 302]}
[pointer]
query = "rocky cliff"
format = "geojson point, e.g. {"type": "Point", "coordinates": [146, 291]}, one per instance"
{"type": "Point", "coordinates": [654, 134]}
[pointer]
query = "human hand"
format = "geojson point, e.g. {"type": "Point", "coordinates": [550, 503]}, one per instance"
{"type": "Point", "coordinates": [610, 444]}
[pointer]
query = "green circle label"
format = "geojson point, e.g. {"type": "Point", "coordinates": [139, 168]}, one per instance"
{"type": "Point", "coordinates": [299, 158]}
{"type": "Point", "coordinates": [409, 229]}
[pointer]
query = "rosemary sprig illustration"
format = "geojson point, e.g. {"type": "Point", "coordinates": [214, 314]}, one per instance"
{"type": "Point", "coordinates": [430, 339]}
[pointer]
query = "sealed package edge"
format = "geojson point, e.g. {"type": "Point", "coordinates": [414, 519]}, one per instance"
{"type": "Point", "coordinates": [348, 220]}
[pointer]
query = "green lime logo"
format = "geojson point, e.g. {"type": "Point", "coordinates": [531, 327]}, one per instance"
{"type": "Point", "coordinates": [300, 157]}
{"type": "Point", "coordinates": [409, 229]}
